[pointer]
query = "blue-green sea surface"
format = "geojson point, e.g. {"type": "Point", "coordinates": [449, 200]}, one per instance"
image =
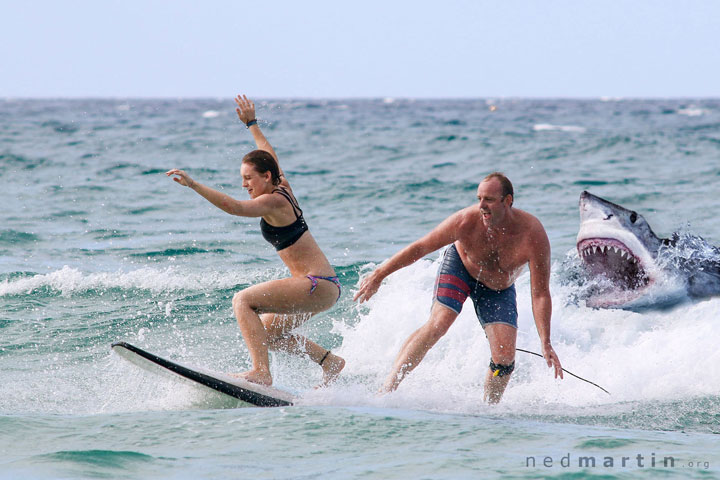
{"type": "Point", "coordinates": [97, 245]}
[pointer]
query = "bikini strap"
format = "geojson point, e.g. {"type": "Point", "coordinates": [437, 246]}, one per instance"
{"type": "Point", "coordinates": [289, 198]}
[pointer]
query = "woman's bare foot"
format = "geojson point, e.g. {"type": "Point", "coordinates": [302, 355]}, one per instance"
{"type": "Point", "coordinates": [255, 376]}
{"type": "Point", "coordinates": [332, 366]}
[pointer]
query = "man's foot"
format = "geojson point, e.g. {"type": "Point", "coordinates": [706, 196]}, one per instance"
{"type": "Point", "coordinates": [332, 366]}
{"type": "Point", "coordinates": [255, 376]}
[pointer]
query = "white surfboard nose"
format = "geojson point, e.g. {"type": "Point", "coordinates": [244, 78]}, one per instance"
{"type": "Point", "coordinates": [251, 394]}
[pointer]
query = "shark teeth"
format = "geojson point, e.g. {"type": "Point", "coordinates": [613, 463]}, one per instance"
{"type": "Point", "coordinates": [606, 249]}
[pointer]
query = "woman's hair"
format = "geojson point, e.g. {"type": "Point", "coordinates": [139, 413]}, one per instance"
{"type": "Point", "coordinates": [263, 162]}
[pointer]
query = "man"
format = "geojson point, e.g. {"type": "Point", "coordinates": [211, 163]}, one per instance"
{"type": "Point", "coordinates": [490, 245]}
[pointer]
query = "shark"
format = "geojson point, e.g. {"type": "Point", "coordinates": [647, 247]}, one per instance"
{"type": "Point", "coordinates": [618, 247]}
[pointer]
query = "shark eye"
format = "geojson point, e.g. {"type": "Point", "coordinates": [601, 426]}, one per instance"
{"type": "Point", "coordinates": [633, 217]}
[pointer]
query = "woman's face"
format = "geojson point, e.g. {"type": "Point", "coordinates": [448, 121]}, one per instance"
{"type": "Point", "coordinates": [254, 182]}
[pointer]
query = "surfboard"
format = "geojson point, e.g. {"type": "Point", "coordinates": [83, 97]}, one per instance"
{"type": "Point", "coordinates": [248, 392]}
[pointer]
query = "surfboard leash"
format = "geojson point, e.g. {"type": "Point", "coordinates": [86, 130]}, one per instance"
{"type": "Point", "coordinates": [566, 371]}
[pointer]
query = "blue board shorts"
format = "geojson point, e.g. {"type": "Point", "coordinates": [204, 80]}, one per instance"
{"type": "Point", "coordinates": [454, 284]}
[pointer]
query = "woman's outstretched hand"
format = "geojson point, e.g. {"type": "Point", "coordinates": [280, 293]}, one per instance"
{"type": "Point", "coordinates": [245, 110]}
{"type": "Point", "coordinates": [181, 177]}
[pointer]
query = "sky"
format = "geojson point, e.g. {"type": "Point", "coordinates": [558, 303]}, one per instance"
{"type": "Point", "coordinates": [369, 48]}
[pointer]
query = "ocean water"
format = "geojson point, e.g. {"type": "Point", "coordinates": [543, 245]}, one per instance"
{"type": "Point", "coordinates": [97, 245]}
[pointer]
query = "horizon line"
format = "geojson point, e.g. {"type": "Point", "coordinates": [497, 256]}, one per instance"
{"type": "Point", "coordinates": [369, 97]}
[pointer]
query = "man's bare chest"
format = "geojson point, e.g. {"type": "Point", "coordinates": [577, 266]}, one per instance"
{"type": "Point", "coordinates": [494, 255]}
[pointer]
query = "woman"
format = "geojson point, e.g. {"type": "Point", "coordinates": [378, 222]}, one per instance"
{"type": "Point", "coordinates": [268, 312]}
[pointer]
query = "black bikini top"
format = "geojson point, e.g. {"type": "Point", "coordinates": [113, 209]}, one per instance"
{"type": "Point", "coordinates": [283, 237]}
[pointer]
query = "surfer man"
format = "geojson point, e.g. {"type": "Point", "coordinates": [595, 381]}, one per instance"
{"type": "Point", "coordinates": [268, 312]}
{"type": "Point", "coordinates": [490, 243]}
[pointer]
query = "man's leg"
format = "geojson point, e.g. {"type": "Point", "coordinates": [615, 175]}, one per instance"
{"type": "Point", "coordinates": [419, 343]}
{"type": "Point", "coordinates": [502, 350]}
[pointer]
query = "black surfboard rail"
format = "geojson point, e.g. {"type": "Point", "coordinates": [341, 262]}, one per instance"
{"type": "Point", "coordinates": [244, 394]}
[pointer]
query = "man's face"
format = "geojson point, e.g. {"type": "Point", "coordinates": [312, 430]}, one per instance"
{"type": "Point", "coordinates": [492, 204]}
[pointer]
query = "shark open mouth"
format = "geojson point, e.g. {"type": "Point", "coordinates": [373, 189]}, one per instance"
{"type": "Point", "coordinates": [614, 260]}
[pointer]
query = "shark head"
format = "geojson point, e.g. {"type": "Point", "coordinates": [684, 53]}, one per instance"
{"type": "Point", "coordinates": [619, 245]}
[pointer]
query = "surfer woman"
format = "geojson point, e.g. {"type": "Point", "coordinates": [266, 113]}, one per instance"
{"type": "Point", "coordinates": [268, 312]}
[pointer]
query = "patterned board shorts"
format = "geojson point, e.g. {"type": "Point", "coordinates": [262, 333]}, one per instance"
{"type": "Point", "coordinates": [454, 284]}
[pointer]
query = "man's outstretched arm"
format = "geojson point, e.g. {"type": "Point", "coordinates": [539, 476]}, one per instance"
{"type": "Point", "coordinates": [443, 234]}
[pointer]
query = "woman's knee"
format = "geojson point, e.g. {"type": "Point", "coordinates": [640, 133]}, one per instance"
{"type": "Point", "coordinates": [241, 301]}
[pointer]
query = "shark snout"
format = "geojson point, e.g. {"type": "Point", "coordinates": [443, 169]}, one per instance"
{"type": "Point", "coordinates": [587, 198]}
{"type": "Point", "coordinates": [594, 208]}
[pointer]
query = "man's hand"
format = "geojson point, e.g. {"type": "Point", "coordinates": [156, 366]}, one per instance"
{"type": "Point", "coordinates": [181, 177]}
{"type": "Point", "coordinates": [245, 110]}
{"type": "Point", "coordinates": [369, 286]}
{"type": "Point", "coordinates": [552, 359]}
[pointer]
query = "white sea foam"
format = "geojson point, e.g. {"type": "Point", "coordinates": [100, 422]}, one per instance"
{"type": "Point", "coordinates": [211, 114]}
{"type": "Point", "coordinates": [546, 127]}
{"type": "Point", "coordinates": [654, 355]}
{"type": "Point", "coordinates": [638, 357]}
{"type": "Point", "coordinates": [691, 111]}
{"type": "Point", "coordinates": [71, 281]}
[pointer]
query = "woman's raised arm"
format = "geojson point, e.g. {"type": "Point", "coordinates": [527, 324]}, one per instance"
{"type": "Point", "coordinates": [246, 113]}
